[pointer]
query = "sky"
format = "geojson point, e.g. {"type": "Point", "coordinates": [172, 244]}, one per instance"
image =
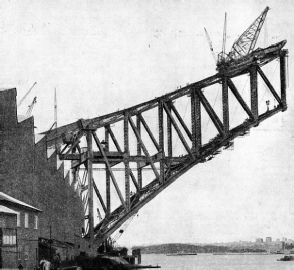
{"type": "Point", "coordinates": [102, 56]}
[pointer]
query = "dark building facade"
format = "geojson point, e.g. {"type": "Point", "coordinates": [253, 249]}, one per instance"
{"type": "Point", "coordinates": [29, 175]}
{"type": "Point", "coordinates": [8, 248]}
{"type": "Point", "coordinates": [19, 225]}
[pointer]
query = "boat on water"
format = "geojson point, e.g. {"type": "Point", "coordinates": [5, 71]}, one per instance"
{"type": "Point", "coordinates": [286, 258]}
{"type": "Point", "coordinates": [180, 254]}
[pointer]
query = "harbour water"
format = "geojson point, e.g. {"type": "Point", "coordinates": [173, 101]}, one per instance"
{"type": "Point", "coordinates": [210, 261]}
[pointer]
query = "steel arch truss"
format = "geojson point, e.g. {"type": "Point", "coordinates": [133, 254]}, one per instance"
{"type": "Point", "coordinates": [136, 153]}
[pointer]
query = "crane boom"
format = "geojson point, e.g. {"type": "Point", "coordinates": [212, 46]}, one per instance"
{"type": "Point", "coordinates": [29, 111]}
{"type": "Point", "coordinates": [21, 101]}
{"type": "Point", "coordinates": [210, 45]}
{"type": "Point", "coordinates": [246, 42]}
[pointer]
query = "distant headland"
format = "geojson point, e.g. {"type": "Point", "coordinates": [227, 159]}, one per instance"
{"type": "Point", "coordinates": [269, 247]}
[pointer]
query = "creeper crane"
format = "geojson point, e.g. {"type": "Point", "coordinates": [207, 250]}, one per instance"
{"type": "Point", "coordinates": [244, 45]}
{"type": "Point", "coordinates": [29, 111]}
{"type": "Point", "coordinates": [21, 101]}
{"type": "Point", "coordinates": [246, 42]}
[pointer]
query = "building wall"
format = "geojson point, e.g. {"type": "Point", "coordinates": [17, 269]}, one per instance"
{"type": "Point", "coordinates": [268, 239]}
{"type": "Point", "coordinates": [7, 220]}
{"type": "Point", "coordinates": [272, 246]}
{"type": "Point", "coordinates": [24, 251]}
{"type": "Point", "coordinates": [8, 256]}
{"type": "Point", "coordinates": [28, 175]}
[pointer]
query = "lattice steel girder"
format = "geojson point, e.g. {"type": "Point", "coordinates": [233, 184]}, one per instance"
{"type": "Point", "coordinates": [151, 136]}
{"type": "Point", "coordinates": [225, 102]}
{"type": "Point", "coordinates": [170, 167]}
{"type": "Point", "coordinates": [206, 151]}
{"type": "Point", "coordinates": [171, 173]}
{"type": "Point", "coordinates": [161, 139]}
{"type": "Point", "coordinates": [55, 135]}
{"type": "Point", "coordinates": [283, 55]}
{"type": "Point", "coordinates": [240, 99]}
{"type": "Point", "coordinates": [109, 170]}
{"type": "Point", "coordinates": [173, 108]}
{"type": "Point", "coordinates": [178, 130]}
{"type": "Point", "coordinates": [136, 184]}
{"type": "Point", "coordinates": [139, 170]}
{"type": "Point", "coordinates": [107, 175]}
{"type": "Point", "coordinates": [254, 91]}
{"type": "Point", "coordinates": [126, 161]}
{"type": "Point", "coordinates": [218, 124]}
{"type": "Point", "coordinates": [73, 156]}
{"type": "Point", "coordinates": [76, 140]}
{"type": "Point", "coordinates": [120, 153]}
{"type": "Point", "coordinates": [269, 85]}
{"type": "Point", "coordinates": [196, 121]}
{"type": "Point", "coordinates": [114, 139]}
{"type": "Point", "coordinates": [169, 135]}
{"type": "Point", "coordinates": [144, 149]}
{"type": "Point", "coordinates": [90, 184]}
{"type": "Point", "coordinates": [99, 197]}
{"type": "Point", "coordinates": [99, 159]}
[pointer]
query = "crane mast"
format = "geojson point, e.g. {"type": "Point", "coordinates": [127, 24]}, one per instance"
{"type": "Point", "coordinates": [223, 53]}
{"type": "Point", "coordinates": [29, 111]}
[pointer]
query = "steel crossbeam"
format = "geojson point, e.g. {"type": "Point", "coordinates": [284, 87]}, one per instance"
{"type": "Point", "coordinates": [160, 152]}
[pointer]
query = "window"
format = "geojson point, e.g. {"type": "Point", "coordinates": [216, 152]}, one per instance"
{"type": "Point", "coordinates": [26, 220]}
{"type": "Point", "coordinates": [18, 219]}
{"type": "Point", "coordinates": [19, 252]}
{"type": "Point", "coordinates": [9, 237]}
{"type": "Point", "coordinates": [36, 222]}
{"type": "Point", "coordinates": [26, 253]}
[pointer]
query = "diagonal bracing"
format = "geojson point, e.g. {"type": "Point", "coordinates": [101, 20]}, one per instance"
{"type": "Point", "coordinates": [154, 160]}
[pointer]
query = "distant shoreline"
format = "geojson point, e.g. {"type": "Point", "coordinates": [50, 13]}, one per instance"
{"type": "Point", "coordinates": [215, 254]}
{"type": "Point", "coordinates": [181, 254]}
{"type": "Point", "coordinates": [249, 253]}
{"type": "Point", "coordinates": [175, 249]}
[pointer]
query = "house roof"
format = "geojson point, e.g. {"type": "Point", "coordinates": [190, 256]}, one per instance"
{"type": "Point", "coordinates": [6, 210]}
{"type": "Point", "coordinates": [5, 197]}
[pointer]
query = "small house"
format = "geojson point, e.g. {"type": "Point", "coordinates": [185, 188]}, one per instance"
{"type": "Point", "coordinates": [19, 233]}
